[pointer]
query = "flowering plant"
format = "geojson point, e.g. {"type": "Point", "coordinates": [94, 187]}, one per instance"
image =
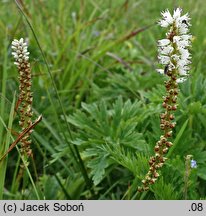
{"type": "Point", "coordinates": [175, 57]}
{"type": "Point", "coordinates": [21, 56]}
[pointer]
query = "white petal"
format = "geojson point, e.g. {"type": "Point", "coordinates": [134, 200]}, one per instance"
{"type": "Point", "coordinates": [164, 59]}
{"type": "Point", "coordinates": [166, 50]}
{"type": "Point", "coordinates": [163, 23]}
{"type": "Point", "coordinates": [161, 71]}
{"type": "Point", "coordinates": [14, 47]}
{"type": "Point", "coordinates": [26, 58]}
{"type": "Point", "coordinates": [163, 42]}
{"type": "Point", "coordinates": [181, 80]}
{"type": "Point", "coordinates": [177, 13]}
{"type": "Point", "coordinates": [24, 50]}
{"type": "Point", "coordinates": [181, 43]}
{"type": "Point", "coordinates": [15, 42]}
{"type": "Point", "coordinates": [167, 16]}
{"type": "Point", "coordinates": [186, 37]}
{"type": "Point", "coordinates": [183, 29]}
{"type": "Point", "coordinates": [182, 71]}
{"type": "Point", "coordinates": [21, 41]}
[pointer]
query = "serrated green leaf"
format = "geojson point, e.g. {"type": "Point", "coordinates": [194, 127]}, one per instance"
{"type": "Point", "coordinates": [201, 172]}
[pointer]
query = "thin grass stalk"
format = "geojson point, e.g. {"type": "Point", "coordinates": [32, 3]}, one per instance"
{"type": "Point", "coordinates": [15, 184]}
{"type": "Point", "coordinates": [4, 79]}
{"type": "Point", "coordinates": [4, 147]}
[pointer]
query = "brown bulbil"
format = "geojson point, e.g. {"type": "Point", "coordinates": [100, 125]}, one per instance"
{"type": "Point", "coordinates": [165, 150]}
{"type": "Point", "coordinates": [162, 116]}
{"type": "Point", "coordinates": [152, 168]}
{"type": "Point", "coordinates": [167, 123]}
{"type": "Point", "coordinates": [157, 166]}
{"type": "Point", "coordinates": [168, 85]}
{"type": "Point", "coordinates": [162, 121]}
{"type": "Point", "coordinates": [174, 78]}
{"type": "Point", "coordinates": [157, 148]}
{"type": "Point", "coordinates": [163, 139]}
{"type": "Point", "coordinates": [152, 181]}
{"type": "Point", "coordinates": [146, 188]}
{"type": "Point", "coordinates": [172, 125]}
{"type": "Point", "coordinates": [156, 175]}
{"type": "Point", "coordinates": [159, 143]}
{"type": "Point", "coordinates": [175, 91]}
{"type": "Point", "coordinates": [174, 107]}
{"type": "Point", "coordinates": [157, 155]}
{"type": "Point", "coordinates": [140, 189]}
{"type": "Point", "coordinates": [153, 159]}
{"type": "Point", "coordinates": [169, 134]}
{"type": "Point", "coordinates": [171, 117]}
{"type": "Point", "coordinates": [171, 91]}
{"type": "Point", "coordinates": [162, 159]}
{"type": "Point", "coordinates": [148, 178]}
{"type": "Point", "coordinates": [169, 144]}
{"type": "Point", "coordinates": [164, 105]}
{"type": "Point", "coordinates": [169, 107]}
{"type": "Point", "coordinates": [162, 126]}
{"type": "Point", "coordinates": [174, 100]}
{"type": "Point", "coordinates": [150, 162]}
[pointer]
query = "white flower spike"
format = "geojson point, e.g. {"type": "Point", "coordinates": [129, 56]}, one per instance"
{"type": "Point", "coordinates": [173, 51]}
{"type": "Point", "coordinates": [21, 60]}
{"type": "Point", "coordinates": [175, 58]}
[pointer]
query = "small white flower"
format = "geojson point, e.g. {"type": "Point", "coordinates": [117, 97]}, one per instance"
{"type": "Point", "coordinates": [15, 43]}
{"type": "Point", "coordinates": [177, 13]}
{"type": "Point", "coordinates": [165, 60]}
{"type": "Point", "coordinates": [167, 16]}
{"type": "Point", "coordinates": [181, 79]}
{"type": "Point", "coordinates": [187, 37]}
{"type": "Point", "coordinates": [163, 42]}
{"type": "Point", "coordinates": [161, 71]}
{"type": "Point", "coordinates": [167, 19]}
{"type": "Point", "coordinates": [166, 50]}
{"type": "Point", "coordinates": [182, 28]}
{"type": "Point", "coordinates": [26, 58]}
{"type": "Point", "coordinates": [21, 41]}
{"type": "Point", "coordinates": [182, 71]}
{"type": "Point", "coordinates": [181, 43]}
{"type": "Point", "coordinates": [163, 23]}
{"type": "Point", "coordinates": [184, 53]}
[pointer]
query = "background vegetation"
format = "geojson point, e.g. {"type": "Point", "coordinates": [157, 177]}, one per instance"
{"type": "Point", "coordinates": [94, 82]}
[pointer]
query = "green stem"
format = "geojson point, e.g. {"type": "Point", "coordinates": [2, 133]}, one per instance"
{"type": "Point", "coordinates": [3, 163]}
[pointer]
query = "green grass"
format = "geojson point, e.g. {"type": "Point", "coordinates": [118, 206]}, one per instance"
{"type": "Point", "coordinates": [100, 115]}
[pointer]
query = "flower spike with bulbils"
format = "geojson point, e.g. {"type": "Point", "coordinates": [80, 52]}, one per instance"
{"type": "Point", "coordinates": [21, 56]}
{"type": "Point", "coordinates": [175, 58]}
